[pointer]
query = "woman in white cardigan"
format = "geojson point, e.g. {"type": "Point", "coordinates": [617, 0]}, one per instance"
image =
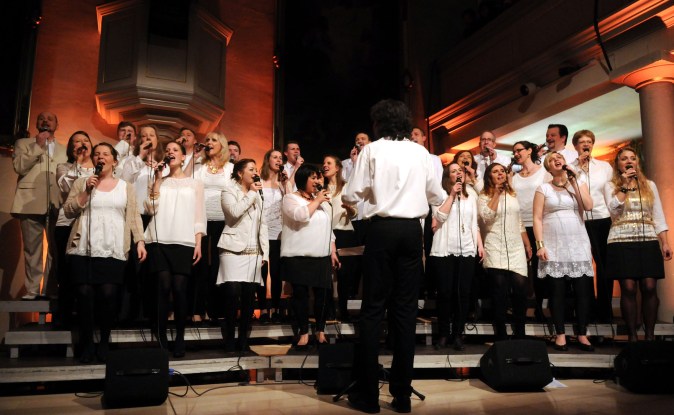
{"type": "Point", "coordinates": [244, 248]}
{"type": "Point", "coordinates": [456, 242]}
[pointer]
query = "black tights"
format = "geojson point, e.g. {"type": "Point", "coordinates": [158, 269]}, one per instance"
{"type": "Point", "coordinates": [583, 294]}
{"type": "Point", "coordinates": [231, 295]}
{"type": "Point", "coordinates": [300, 303]}
{"type": "Point", "coordinates": [503, 283]}
{"type": "Point", "coordinates": [168, 283]}
{"type": "Point", "coordinates": [102, 300]}
{"type": "Point", "coordinates": [649, 305]}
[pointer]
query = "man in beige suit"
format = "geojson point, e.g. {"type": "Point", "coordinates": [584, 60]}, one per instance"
{"type": "Point", "coordinates": [37, 198]}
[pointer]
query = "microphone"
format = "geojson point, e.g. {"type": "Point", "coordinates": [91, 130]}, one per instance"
{"type": "Point", "coordinates": [165, 162]}
{"type": "Point", "coordinates": [128, 136]}
{"type": "Point", "coordinates": [466, 163]}
{"type": "Point", "coordinates": [98, 169]}
{"type": "Point", "coordinates": [568, 171]}
{"type": "Point", "coordinates": [257, 179]}
{"type": "Point", "coordinates": [43, 128]}
{"type": "Point", "coordinates": [81, 149]}
{"type": "Point", "coordinates": [201, 146]}
{"type": "Point", "coordinates": [318, 187]}
{"type": "Point", "coordinates": [147, 146]}
{"type": "Point", "coordinates": [231, 159]}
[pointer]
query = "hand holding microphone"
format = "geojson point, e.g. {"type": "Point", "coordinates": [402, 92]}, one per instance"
{"type": "Point", "coordinates": [163, 164]}
{"type": "Point", "coordinates": [92, 181]}
{"type": "Point", "coordinates": [457, 188]}
{"type": "Point", "coordinates": [569, 171]}
{"type": "Point", "coordinates": [321, 194]}
{"type": "Point", "coordinates": [257, 185]}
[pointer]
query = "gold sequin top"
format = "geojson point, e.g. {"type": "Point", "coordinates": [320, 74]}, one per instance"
{"type": "Point", "coordinates": [634, 220]}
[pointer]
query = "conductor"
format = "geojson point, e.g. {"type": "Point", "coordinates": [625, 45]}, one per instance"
{"type": "Point", "coordinates": [396, 180]}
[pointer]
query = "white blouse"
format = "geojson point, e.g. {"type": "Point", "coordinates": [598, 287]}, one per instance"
{"type": "Point", "coordinates": [457, 234]}
{"type": "Point", "coordinates": [501, 234]}
{"type": "Point", "coordinates": [525, 189]}
{"type": "Point", "coordinates": [138, 173]}
{"type": "Point", "coordinates": [178, 214]}
{"type": "Point", "coordinates": [305, 235]}
{"type": "Point", "coordinates": [66, 174]}
{"type": "Point", "coordinates": [107, 212]}
{"type": "Point", "coordinates": [273, 199]}
{"type": "Point", "coordinates": [340, 218]}
{"type": "Point", "coordinates": [214, 184]}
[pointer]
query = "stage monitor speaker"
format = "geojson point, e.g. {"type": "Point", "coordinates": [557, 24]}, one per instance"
{"type": "Point", "coordinates": [335, 364]}
{"type": "Point", "coordinates": [646, 367]}
{"type": "Point", "coordinates": [136, 377]}
{"type": "Point", "coordinates": [516, 365]}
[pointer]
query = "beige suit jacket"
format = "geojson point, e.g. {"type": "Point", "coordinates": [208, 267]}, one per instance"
{"type": "Point", "coordinates": [31, 163]}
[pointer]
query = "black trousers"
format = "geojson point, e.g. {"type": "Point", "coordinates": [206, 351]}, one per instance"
{"type": "Point", "coordinates": [204, 294]}
{"type": "Point", "coordinates": [453, 279]}
{"type": "Point", "coordinates": [65, 288]}
{"type": "Point", "coordinates": [582, 290]}
{"type": "Point", "coordinates": [300, 303]}
{"type": "Point", "coordinates": [598, 230]}
{"type": "Point", "coordinates": [393, 269]}
{"type": "Point", "coordinates": [346, 275]}
{"type": "Point", "coordinates": [508, 284]}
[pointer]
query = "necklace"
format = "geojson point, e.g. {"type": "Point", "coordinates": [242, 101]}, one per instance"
{"type": "Point", "coordinates": [305, 197]}
{"type": "Point", "coordinates": [561, 185]}
{"type": "Point", "coordinates": [213, 167]}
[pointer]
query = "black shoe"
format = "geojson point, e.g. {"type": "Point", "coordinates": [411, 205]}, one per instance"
{"type": "Point", "coordinates": [585, 347]}
{"type": "Point", "coordinates": [560, 347]}
{"type": "Point", "coordinates": [402, 404]}
{"type": "Point", "coordinates": [358, 404]}
{"type": "Point", "coordinates": [264, 318]}
{"type": "Point", "coordinates": [276, 318]}
{"type": "Point", "coordinates": [458, 344]}
{"type": "Point", "coordinates": [441, 343]}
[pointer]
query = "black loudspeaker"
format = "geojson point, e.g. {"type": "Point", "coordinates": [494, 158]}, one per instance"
{"type": "Point", "coordinates": [516, 365]}
{"type": "Point", "coordinates": [335, 364]}
{"type": "Point", "coordinates": [646, 367]}
{"type": "Point", "coordinates": [136, 377]}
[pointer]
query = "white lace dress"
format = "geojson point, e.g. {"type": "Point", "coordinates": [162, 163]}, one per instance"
{"type": "Point", "coordinates": [566, 240]}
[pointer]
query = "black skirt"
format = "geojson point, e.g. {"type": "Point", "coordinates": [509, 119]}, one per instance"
{"type": "Point", "coordinates": [96, 270]}
{"type": "Point", "coordinates": [309, 271]}
{"type": "Point", "coordinates": [176, 259]}
{"type": "Point", "coordinates": [634, 260]}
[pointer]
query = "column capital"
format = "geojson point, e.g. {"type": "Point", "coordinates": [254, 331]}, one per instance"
{"type": "Point", "coordinates": [661, 70]}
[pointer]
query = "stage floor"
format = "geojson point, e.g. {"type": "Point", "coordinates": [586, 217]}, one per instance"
{"type": "Point", "coordinates": [579, 396]}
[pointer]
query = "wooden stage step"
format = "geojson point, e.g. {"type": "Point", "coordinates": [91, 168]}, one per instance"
{"type": "Point", "coordinates": [59, 369]}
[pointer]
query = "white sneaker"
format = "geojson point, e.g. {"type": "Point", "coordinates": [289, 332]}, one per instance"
{"type": "Point", "coordinates": [29, 297]}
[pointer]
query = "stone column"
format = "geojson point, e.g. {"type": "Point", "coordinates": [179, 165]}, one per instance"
{"type": "Point", "coordinates": [656, 99]}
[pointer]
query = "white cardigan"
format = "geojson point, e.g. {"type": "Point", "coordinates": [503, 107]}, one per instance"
{"type": "Point", "coordinates": [239, 208]}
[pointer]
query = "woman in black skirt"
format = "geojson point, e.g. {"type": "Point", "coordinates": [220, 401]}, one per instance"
{"type": "Point", "coordinates": [637, 241]}
{"type": "Point", "coordinates": [174, 239]}
{"type": "Point", "coordinates": [308, 249]}
{"type": "Point", "coordinates": [106, 217]}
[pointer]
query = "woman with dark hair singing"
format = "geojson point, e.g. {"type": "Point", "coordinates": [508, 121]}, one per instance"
{"type": "Point", "coordinates": [308, 249]}
{"type": "Point", "coordinates": [637, 241]}
{"type": "Point", "coordinates": [456, 242]}
{"type": "Point", "coordinates": [506, 248]}
{"type": "Point", "coordinates": [244, 248]}
{"type": "Point", "coordinates": [106, 216]}
{"type": "Point", "coordinates": [174, 239]}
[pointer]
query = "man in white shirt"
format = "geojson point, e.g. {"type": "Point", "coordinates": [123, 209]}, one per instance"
{"type": "Point", "coordinates": [362, 139]}
{"type": "Point", "coordinates": [555, 139]}
{"type": "Point", "coordinates": [293, 158]}
{"type": "Point", "coordinates": [397, 181]}
{"type": "Point", "coordinates": [419, 137]}
{"type": "Point", "coordinates": [126, 134]}
{"type": "Point", "coordinates": [596, 174]}
{"type": "Point", "coordinates": [188, 139]}
{"type": "Point", "coordinates": [487, 154]}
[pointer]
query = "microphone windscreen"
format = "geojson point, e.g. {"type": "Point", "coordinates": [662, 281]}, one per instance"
{"type": "Point", "coordinates": [98, 169]}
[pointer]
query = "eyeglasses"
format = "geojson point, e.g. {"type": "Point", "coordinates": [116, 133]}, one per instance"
{"type": "Point", "coordinates": [517, 150]}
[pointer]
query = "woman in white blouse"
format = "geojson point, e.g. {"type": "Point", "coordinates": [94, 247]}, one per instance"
{"type": "Point", "coordinates": [308, 249]}
{"type": "Point", "coordinates": [456, 242]}
{"type": "Point", "coordinates": [637, 241]}
{"type": "Point", "coordinates": [139, 168]}
{"type": "Point", "coordinates": [215, 171]}
{"type": "Point", "coordinates": [174, 240]}
{"type": "Point", "coordinates": [244, 248]}
{"type": "Point", "coordinates": [79, 165]}
{"type": "Point", "coordinates": [525, 183]}
{"type": "Point", "coordinates": [563, 246]}
{"type": "Point", "coordinates": [506, 249]}
{"type": "Point", "coordinates": [273, 191]}
{"type": "Point", "coordinates": [345, 236]}
{"type": "Point", "coordinates": [466, 160]}
{"type": "Point", "coordinates": [106, 216]}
